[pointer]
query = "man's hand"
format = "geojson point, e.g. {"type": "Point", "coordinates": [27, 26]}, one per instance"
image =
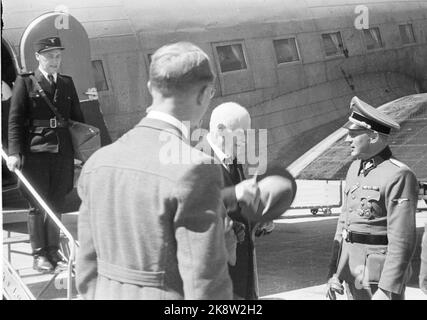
{"type": "Point", "coordinates": [14, 162]}
{"type": "Point", "coordinates": [264, 228]}
{"type": "Point", "coordinates": [248, 192]}
{"type": "Point", "coordinates": [239, 231]}
{"type": "Point", "coordinates": [333, 287]}
{"type": "Point", "coordinates": [381, 294]}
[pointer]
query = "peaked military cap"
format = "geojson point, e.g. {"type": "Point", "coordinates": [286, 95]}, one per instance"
{"type": "Point", "coordinates": [366, 116]}
{"type": "Point", "coordinates": [47, 44]}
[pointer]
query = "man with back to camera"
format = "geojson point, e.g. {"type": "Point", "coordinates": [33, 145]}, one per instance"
{"type": "Point", "coordinates": [151, 224]}
{"type": "Point", "coordinates": [376, 232]}
{"type": "Point", "coordinates": [41, 145]}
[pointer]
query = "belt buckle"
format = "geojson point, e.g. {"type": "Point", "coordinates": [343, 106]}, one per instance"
{"type": "Point", "coordinates": [53, 123]}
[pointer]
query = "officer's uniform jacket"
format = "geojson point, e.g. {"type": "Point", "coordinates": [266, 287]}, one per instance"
{"type": "Point", "coordinates": [380, 198]}
{"type": "Point", "coordinates": [151, 228]}
{"type": "Point", "coordinates": [28, 105]}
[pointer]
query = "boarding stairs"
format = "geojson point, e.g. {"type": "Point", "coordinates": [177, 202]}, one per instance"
{"type": "Point", "coordinates": [20, 281]}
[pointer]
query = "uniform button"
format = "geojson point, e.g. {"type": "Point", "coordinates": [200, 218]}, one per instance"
{"type": "Point", "coordinates": [350, 210]}
{"type": "Point", "coordinates": [353, 197]}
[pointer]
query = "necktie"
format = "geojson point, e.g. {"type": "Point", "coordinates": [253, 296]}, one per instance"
{"type": "Point", "coordinates": [236, 174]}
{"type": "Point", "coordinates": [52, 82]}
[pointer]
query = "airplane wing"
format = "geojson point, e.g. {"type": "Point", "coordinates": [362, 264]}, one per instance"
{"type": "Point", "coordinates": [330, 159]}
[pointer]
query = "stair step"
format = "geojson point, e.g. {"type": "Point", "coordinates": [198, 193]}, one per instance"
{"type": "Point", "coordinates": [16, 239]}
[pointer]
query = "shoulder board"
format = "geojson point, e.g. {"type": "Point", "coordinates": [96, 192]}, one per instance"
{"type": "Point", "coordinates": [64, 75]}
{"type": "Point", "coordinates": [26, 74]}
{"type": "Point", "coordinates": [397, 163]}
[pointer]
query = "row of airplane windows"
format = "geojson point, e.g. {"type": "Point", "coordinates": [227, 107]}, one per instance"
{"type": "Point", "coordinates": [231, 57]}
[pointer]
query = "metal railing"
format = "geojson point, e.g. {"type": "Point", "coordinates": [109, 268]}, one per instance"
{"type": "Point", "coordinates": [58, 223]}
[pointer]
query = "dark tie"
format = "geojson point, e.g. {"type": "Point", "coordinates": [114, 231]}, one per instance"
{"type": "Point", "coordinates": [52, 82]}
{"type": "Point", "coordinates": [235, 172]}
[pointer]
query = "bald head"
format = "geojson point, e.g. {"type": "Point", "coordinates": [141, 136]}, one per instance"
{"type": "Point", "coordinates": [227, 127]}
{"type": "Point", "coordinates": [178, 67]}
{"type": "Point", "coordinates": [230, 115]}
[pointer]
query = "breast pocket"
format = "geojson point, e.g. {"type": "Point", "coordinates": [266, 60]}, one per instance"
{"type": "Point", "coordinates": [370, 204]}
{"type": "Point", "coordinates": [64, 105]}
{"type": "Point", "coordinates": [35, 98]}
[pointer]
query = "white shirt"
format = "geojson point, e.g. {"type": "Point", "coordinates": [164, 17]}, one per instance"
{"type": "Point", "coordinates": [225, 161]}
{"type": "Point", "coordinates": [225, 158]}
{"type": "Point", "coordinates": [159, 115]}
{"type": "Point", "coordinates": [55, 75]}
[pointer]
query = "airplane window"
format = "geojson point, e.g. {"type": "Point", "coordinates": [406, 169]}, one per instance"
{"type": "Point", "coordinates": [99, 74]}
{"type": "Point", "coordinates": [373, 38]}
{"type": "Point", "coordinates": [231, 57]}
{"type": "Point", "coordinates": [286, 50]}
{"type": "Point", "coordinates": [407, 33]}
{"type": "Point", "coordinates": [332, 42]}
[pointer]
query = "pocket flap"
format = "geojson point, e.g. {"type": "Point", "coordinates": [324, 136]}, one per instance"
{"type": "Point", "coordinates": [374, 266]}
{"type": "Point", "coordinates": [38, 130]}
{"type": "Point", "coordinates": [370, 195]}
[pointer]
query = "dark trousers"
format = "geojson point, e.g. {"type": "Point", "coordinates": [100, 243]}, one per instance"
{"type": "Point", "coordinates": [51, 175]}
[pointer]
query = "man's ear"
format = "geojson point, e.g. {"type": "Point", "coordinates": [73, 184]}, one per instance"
{"type": "Point", "coordinates": [374, 137]}
{"type": "Point", "coordinates": [37, 55]}
{"type": "Point", "coordinates": [201, 95]}
{"type": "Point", "coordinates": [150, 88]}
{"type": "Point", "coordinates": [219, 130]}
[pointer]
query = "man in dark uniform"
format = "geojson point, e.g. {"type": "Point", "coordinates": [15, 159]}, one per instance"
{"type": "Point", "coordinates": [41, 145]}
{"type": "Point", "coordinates": [376, 232]}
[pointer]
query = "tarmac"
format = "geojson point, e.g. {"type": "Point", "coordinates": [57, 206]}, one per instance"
{"type": "Point", "coordinates": [292, 260]}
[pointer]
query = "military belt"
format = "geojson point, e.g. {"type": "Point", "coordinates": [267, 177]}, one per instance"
{"type": "Point", "coordinates": [364, 238]}
{"type": "Point", "coordinates": [51, 123]}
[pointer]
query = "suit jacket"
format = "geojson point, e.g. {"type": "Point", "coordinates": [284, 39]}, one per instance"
{"type": "Point", "coordinates": [151, 226]}
{"type": "Point", "coordinates": [27, 105]}
{"type": "Point", "coordinates": [243, 273]}
{"type": "Point", "coordinates": [423, 267]}
{"type": "Point", "coordinates": [380, 201]}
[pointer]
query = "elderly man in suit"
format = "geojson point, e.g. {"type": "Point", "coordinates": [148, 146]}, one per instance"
{"type": "Point", "coordinates": [41, 145]}
{"type": "Point", "coordinates": [151, 223]}
{"type": "Point", "coordinates": [228, 126]}
{"type": "Point", "coordinates": [376, 236]}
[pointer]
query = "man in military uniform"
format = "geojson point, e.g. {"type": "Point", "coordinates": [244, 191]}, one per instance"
{"type": "Point", "coordinates": [41, 145]}
{"type": "Point", "coordinates": [376, 234]}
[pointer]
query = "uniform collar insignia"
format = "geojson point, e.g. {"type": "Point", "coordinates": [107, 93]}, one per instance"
{"type": "Point", "coordinates": [367, 165]}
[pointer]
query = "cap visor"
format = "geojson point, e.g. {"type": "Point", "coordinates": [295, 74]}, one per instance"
{"type": "Point", "coordinates": [352, 126]}
{"type": "Point", "coordinates": [51, 48]}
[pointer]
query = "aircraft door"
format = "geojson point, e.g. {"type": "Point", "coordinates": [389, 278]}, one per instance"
{"type": "Point", "coordinates": [76, 60]}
